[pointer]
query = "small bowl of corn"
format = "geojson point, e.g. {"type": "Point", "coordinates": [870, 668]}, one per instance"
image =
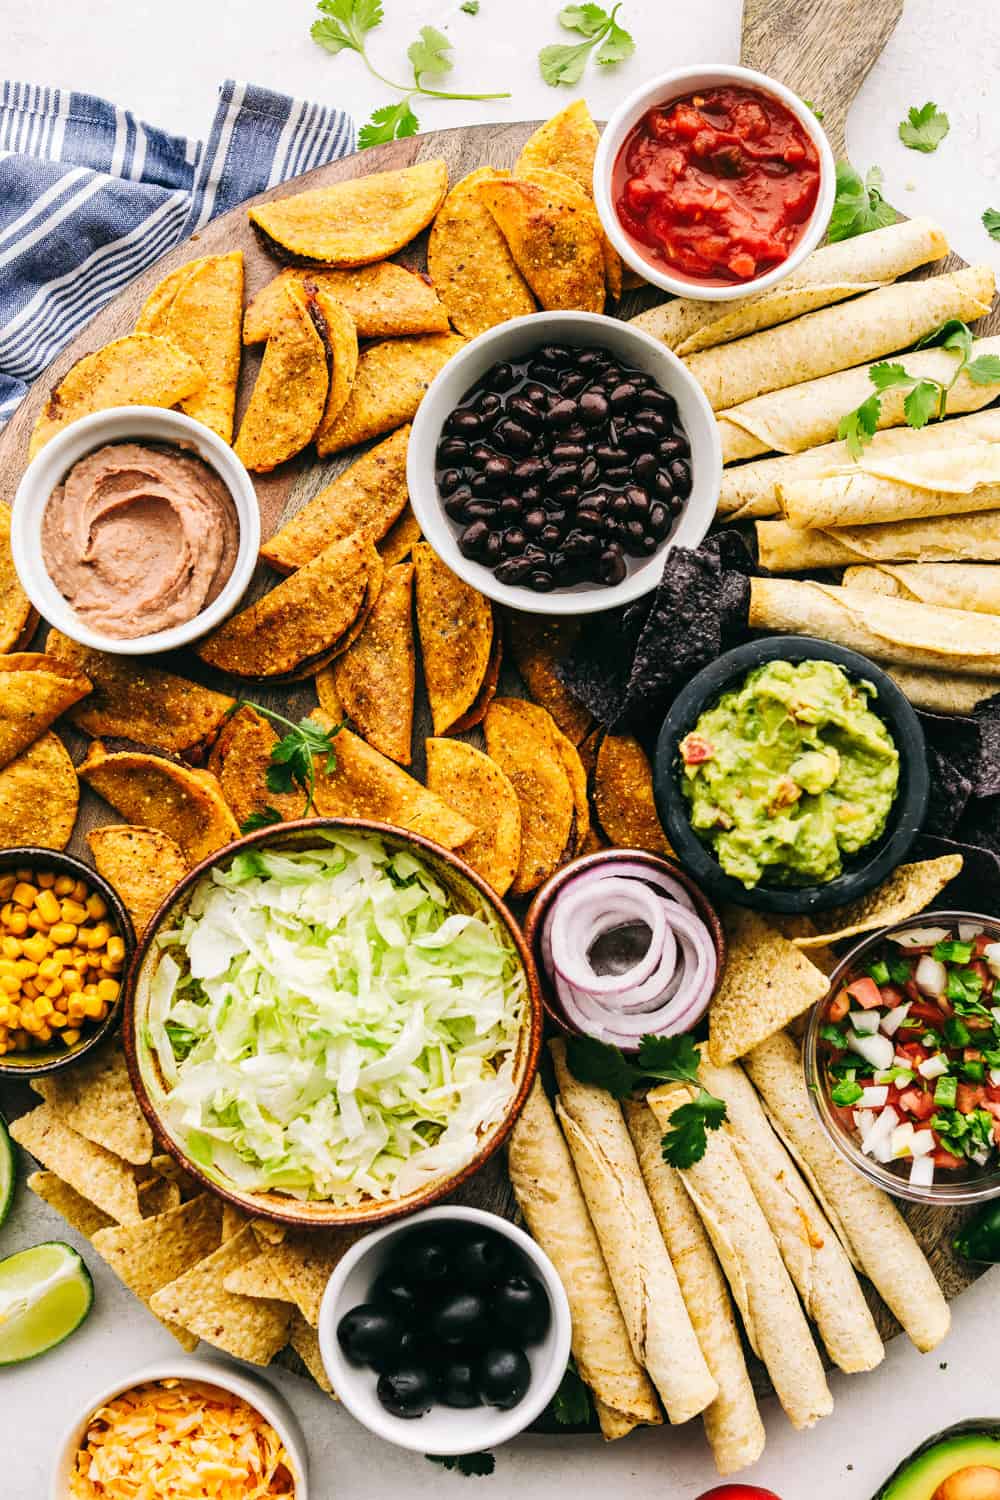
{"type": "Point", "coordinates": [66, 942]}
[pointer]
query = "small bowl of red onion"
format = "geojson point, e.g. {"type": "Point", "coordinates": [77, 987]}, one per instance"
{"type": "Point", "coordinates": [626, 945]}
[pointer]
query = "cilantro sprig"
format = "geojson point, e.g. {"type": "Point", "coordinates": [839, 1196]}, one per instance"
{"type": "Point", "coordinates": [858, 206]}
{"type": "Point", "coordinates": [926, 398]}
{"type": "Point", "coordinates": [571, 1402]}
{"type": "Point", "coordinates": [472, 1465]}
{"type": "Point", "coordinates": [661, 1059]}
{"type": "Point", "coordinates": [292, 764]}
{"type": "Point", "coordinates": [925, 128]}
{"type": "Point", "coordinates": [343, 25]}
{"type": "Point", "coordinates": [563, 63]}
{"type": "Point", "coordinates": [991, 222]}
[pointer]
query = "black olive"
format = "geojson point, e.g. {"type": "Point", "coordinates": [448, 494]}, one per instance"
{"type": "Point", "coordinates": [394, 1289]}
{"type": "Point", "coordinates": [521, 1308]}
{"type": "Point", "coordinates": [424, 1256]}
{"type": "Point", "coordinates": [368, 1332]}
{"type": "Point", "coordinates": [461, 1318]}
{"type": "Point", "coordinates": [410, 1349]}
{"type": "Point", "coordinates": [457, 1383]}
{"type": "Point", "coordinates": [504, 1377]}
{"type": "Point", "coordinates": [406, 1392]}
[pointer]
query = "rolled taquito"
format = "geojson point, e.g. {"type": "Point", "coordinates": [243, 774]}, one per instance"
{"type": "Point", "coordinates": [732, 1423]}
{"type": "Point", "coordinates": [973, 586]}
{"type": "Point", "coordinates": [762, 1289]}
{"type": "Point", "coordinates": [788, 549]}
{"type": "Point", "coordinates": [882, 488]}
{"type": "Point", "coordinates": [644, 1280]}
{"type": "Point", "coordinates": [549, 1197]}
{"type": "Point", "coordinates": [869, 1223]}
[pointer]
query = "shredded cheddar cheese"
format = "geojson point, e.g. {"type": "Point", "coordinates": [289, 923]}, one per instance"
{"type": "Point", "coordinates": [173, 1440]}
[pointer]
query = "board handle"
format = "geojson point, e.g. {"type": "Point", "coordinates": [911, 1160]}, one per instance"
{"type": "Point", "coordinates": [822, 49]}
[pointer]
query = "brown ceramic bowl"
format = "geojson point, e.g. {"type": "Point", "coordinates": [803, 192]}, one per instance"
{"type": "Point", "coordinates": [468, 889]}
{"type": "Point", "coordinates": [56, 1056]}
{"type": "Point", "coordinates": [543, 896]}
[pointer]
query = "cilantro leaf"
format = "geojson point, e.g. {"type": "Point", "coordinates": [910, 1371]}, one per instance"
{"type": "Point", "coordinates": [985, 370]}
{"type": "Point", "coordinates": [858, 205]}
{"type": "Point", "coordinates": [588, 20]}
{"type": "Point", "coordinates": [616, 47]}
{"type": "Point", "coordinates": [565, 64]}
{"type": "Point", "coordinates": [571, 1402]}
{"type": "Point", "coordinates": [673, 1059]}
{"type": "Point", "coordinates": [951, 334]}
{"type": "Point", "coordinates": [816, 111]}
{"type": "Point", "coordinates": [471, 7]}
{"type": "Point", "coordinates": [344, 23]}
{"type": "Point", "coordinates": [924, 129]}
{"type": "Point", "coordinates": [686, 1140]}
{"type": "Point", "coordinates": [470, 1464]}
{"type": "Point", "coordinates": [263, 819]}
{"type": "Point", "coordinates": [291, 763]}
{"type": "Point", "coordinates": [858, 427]}
{"type": "Point", "coordinates": [429, 54]}
{"type": "Point", "coordinates": [922, 403]}
{"type": "Point", "coordinates": [887, 375]}
{"type": "Point", "coordinates": [991, 222]}
{"type": "Point", "coordinates": [390, 123]}
{"type": "Point", "coordinates": [603, 1067]}
{"type": "Point", "coordinates": [562, 64]}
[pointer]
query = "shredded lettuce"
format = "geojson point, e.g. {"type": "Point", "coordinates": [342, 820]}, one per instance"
{"type": "Point", "coordinates": [330, 1024]}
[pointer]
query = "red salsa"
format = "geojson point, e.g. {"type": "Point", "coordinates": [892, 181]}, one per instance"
{"type": "Point", "coordinates": [718, 186]}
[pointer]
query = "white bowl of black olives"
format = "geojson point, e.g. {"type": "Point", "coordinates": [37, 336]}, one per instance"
{"type": "Point", "coordinates": [557, 458]}
{"type": "Point", "coordinates": [446, 1333]}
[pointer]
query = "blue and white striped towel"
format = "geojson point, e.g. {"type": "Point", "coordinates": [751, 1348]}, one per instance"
{"type": "Point", "coordinates": [90, 196]}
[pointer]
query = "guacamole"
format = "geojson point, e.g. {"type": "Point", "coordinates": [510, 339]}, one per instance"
{"type": "Point", "coordinates": [789, 772]}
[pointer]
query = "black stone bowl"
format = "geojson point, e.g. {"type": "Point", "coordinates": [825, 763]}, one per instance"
{"type": "Point", "coordinates": [862, 871]}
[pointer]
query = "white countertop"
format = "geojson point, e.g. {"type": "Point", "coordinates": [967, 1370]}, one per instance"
{"type": "Point", "coordinates": [164, 61]}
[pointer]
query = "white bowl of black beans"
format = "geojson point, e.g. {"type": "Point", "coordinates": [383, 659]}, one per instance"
{"type": "Point", "coordinates": [557, 458]}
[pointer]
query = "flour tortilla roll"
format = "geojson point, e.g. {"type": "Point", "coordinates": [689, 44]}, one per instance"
{"type": "Point", "coordinates": [837, 337]}
{"type": "Point", "coordinates": [972, 586]}
{"type": "Point", "coordinates": [761, 1287]}
{"type": "Point", "coordinates": [644, 1280]}
{"type": "Point", "coordinates": [751, 490]}
{"type": "Point", "coordinates": [872, 1229]}
{"type": "Point", "coordinates": [813, 1255]}
{"type": "Point", "coordinates": [732, 1423]}
{"type": "Point", "coordinates": [896, 631]}
{"type": "Point", "coordinates": [799, 417]}
{"type": "Point", "coordinates": [789, 549]}
{"type": "Point", "coordinates": [940, 692]}
{"type": "Point", "coordinates": [881, 488]}
{"type": "Point", "coordinates": [548, 1195]}
{"type": "Point", "coordinates": [829, 275]}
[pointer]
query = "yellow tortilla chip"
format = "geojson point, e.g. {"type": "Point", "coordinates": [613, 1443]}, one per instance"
{"type": "Point", "coordinates": [139, 370]}
{"type": "Point", "coordinates": [152, 792]}
{"type": "Point", "coordinates": [765, 984]}
{"type": "Point", "coordinates": [456, 629]}
{"type": "Point", "coordinates": [250, 1328]}
{"type": "Point", "coordinates": [389, 386]}
{"type": "Point", "coordinates": [908, 890]}
{"type": "Point", "coordinates": [355, 223]}
{"type": "Point", "coordinates": [153, 1254]}
{"type": "Point", "coordinates": [521, 738]}
{"type": "Point", "coordinates": [34, 690]}
{"type": "Point", "coordinates": [96, 1173]}
{"type": "Point", "coordinates": [232, 1221]}
{"type": "Point", "coordinates": [240, 759]}
{"type": "Point", "coordinates": [340, 337]}
{"type": "Point", "coordinates": [577, 777]}
{"type": "Point", "coordinates": [82, 1215]}
{"type": "Point", "coordinates": [538, 644]}
{"type": "Point", "coordinates": [132, 700]}
{"type": "Point", "coordinates": [305, 1260]}
{"type": "Point", "coordinates": [385, 301]}
{"type": "Point", "coordinates": [623, 796]}
{"type": "Point", "coordinates": [304, 1341]}
{"type": "Point", "coordinates": [201, 311]}
{"type": "Point", "coordinates": [397, 544]}
{"type": "Point", "coordinates": [17, 618]}
{"type": "Point", "coordinates": [368, 496]}
{"type": "Point", "coordinates": [171, 1171]}
{"type": "Point", "coordinates": [95, 1098]}
{"type": "Point", "coordinates": [476, 787]}
{"type": "Point", "coordinates": [302, 623]}
{"type": "Point", "coordinates": [39, 796]}
{"type": "Point", "coordinates": [552, 239]}
{"type": "Point", "coordinates": [143, 865]}
{"type": "Point", "coordinates": [376, 676]}
{"type": "Point", "coordinates": [289, 398]}
{"type": "Point", "coordinates": [254, 1278]}
{"type": "Point", "coordinates": [470, 262]}
{"type": "Point", "coordinates": [158, 1196]}
{"type": "Point", "coordinates": [365, 784]}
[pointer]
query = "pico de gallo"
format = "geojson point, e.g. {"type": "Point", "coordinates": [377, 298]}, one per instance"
{"type": "Point", "coordinates": [909, 1048]}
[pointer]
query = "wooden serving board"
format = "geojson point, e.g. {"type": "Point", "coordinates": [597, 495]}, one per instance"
{"type": "Point", "coordinates": [821, 48]}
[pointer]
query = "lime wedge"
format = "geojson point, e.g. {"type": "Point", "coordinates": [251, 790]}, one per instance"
{"type": "Point", "coordinates": [45, 1293]}
{"type": "Point", "coordinates": [8, 1171]}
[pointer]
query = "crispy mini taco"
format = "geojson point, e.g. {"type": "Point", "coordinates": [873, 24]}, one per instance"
{"type": "Point", "coordinates": [375, 677]}
{"type": "Point", "coordinates": [475, 786]}
{"type": "Point", "coordinates": [39, 796]}
{"type": "Point", "coordinates": [567, 190]}
{"type": "Point", "coordinates": [390, 383]}
{"type": "Point", "coordinates": [138, 370]}
{"type": "Point", "coordinates": [471, 264]}
{"type": "Point", "coordinates": [34, 690]}
{"type": "Point", "coordinates": [355, 223]}
{"type": "Point", "coordinates": [200, 308]}
{"type": "Point", "coordinates": [553, 242]}
{"type": "Point", "coordinates": [455, 623]}
{"type": "Point", "coordinates": [241, 759]}
{"type": "Point", "coordinates": [305, 620]}
{"type": "Point", "coordinates": [398, 543]}
{"type": "Point", "coordinates": [17, 618]}
{"type": "Point", "coordinates": [143, 865]}
{"type": "Point", "coordinates": [151, 791]}
{"type": "Point", "coordinates": [520, 737]}
{"type": "Point", "coordinates": [131, 700]}
{"type": "Point", "coordinates": [537, 645]}
{"type": "Point", "coordinates": [369, 496]}
{"type": "Point", "coordinates": [623, 796]}
{"type": "Point", "coordinates": [289, 398]}
{"type": "Point", "coordinates": [340, 337]}
{"type": "Point", "coordinates": [385, 301]}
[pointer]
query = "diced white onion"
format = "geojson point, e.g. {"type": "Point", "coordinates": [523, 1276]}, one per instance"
{"type": "Point", "coordinates": [876, 1140]}
{"type": "Point", "coordinates": [864, 1119]}
{"type": "Point", "coordinates": [875, 1049]}
{"type": "Point", "coordinates": [920, 937]}
{"type": "Point", "coordinates": [992, 957]}
{"type": "Point", "coordinates": [933, 1067]}
{"type": "Point", "coordinates": [922, 1143]}
{"type": "Point", "coordinates": [902, 1061]}
{"type": "Point", "coordinates": [981, 1155]}
{"type": "Point", "coordinates": [922, 1172]}
{"type": "Point", "coordinates": [995, 1077]}
{"type": "Point", "coordinates": [931, 976]}
{"type": "Point", "coordinates": [969, 930]}
{"type": "Point", "coordinates": [865, 1022]}
{"type": "Point", "coordinates": [902, 1140]}
{"type": "Point", "coordinates": [874, 1098]}
{"type": "Point", "coordinates": [893, 1019]}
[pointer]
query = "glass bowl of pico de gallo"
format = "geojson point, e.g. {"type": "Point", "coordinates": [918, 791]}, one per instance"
{"type": "Point", "coordinates": [902, 1058]}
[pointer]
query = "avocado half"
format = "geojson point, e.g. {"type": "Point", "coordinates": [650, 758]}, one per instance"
{"type": "Point", "coordinates": [968, 1445]}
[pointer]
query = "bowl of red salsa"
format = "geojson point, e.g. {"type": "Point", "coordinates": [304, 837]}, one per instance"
{"type": "Point", "coordinates": [903, 1058]}
{"type": "Point", "coordinates": [714, 183]}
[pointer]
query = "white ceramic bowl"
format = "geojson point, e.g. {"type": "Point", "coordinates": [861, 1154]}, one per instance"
{"type": "Point", "coordinates": [512, 341]}
{"type": "Point", "coordinates": [49, 467]}
{"type": "Point", "coordinates": [444, 1429]}
{"type": "Point", "coordinates": [256, 1392]}
{"type": "Point", "coordinates": [675, 85]}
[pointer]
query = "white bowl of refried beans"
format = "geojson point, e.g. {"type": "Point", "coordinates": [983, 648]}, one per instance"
{"type": "Point", "coordinates": [135, 530]}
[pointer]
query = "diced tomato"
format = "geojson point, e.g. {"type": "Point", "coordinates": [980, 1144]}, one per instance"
{"type": "Point", "coordinates": [838, 1007]}
{"type": "Point", "coordinates": [977, 966]}
{"type": "Point", "coordinates": [916, 1103]}
{"type": "Point", "coordinates": [923, 1010]}
{"type": "Point", "coordinates": [943, 1158]}
{"type": "Point", "coordinates": [910, 987]}
{"type": "Point", "coordinates": [892, 995]}
{"type": "Point", "coordinates": [981, 943]}
{"type": "Point", "coordinates": [866, 992]}
{"type": "Point", "coordinates": [994, 1108]}
{"type": "Point", "coordinates": [914, 1051]}
{"type": "Point", "coordinates": [970, 1096]}
{"type": "Point", "coordinates": [695, 749]}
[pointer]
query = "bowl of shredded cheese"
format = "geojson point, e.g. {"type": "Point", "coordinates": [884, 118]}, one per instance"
{"type": "Point", "coordinates": [193, 1427]}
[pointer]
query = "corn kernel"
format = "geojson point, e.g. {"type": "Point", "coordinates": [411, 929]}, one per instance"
{"type": "Point", "coordinates": [26, 969]}
{"type": "Point", "coordinates": [97, 907]}
{"type": "Point", "coordinates": [44, 1032]}
{"type": "Point", "coordinates": [116, 949]}
{"type": "Point", "coordinates": [63, 932]}
{"type": "Point", "coordinates": [53, 989]}
{"type": "Point", "coordinates": [57, 1019]}
{"type": "Point", "coordinates": [46, 879]}
{"type": "Point", "coordinates": [93, 1007]}
{"type": "Point", "coordinates": [43, 1007]}
{"type": "Point", "coordinates": [24, 874]}
{"type": "Point", "coordinates": [63, 956]}
{"type": "Point", "coordinates": [48, 968]}
{"type": "Point", "coordinates": [94, 937]}
{"type": "Point", "coordinates": [79, 891]}
{"type": "Point", "coordinates": [17, 923]}
{"type": "Point", "coordinates": [47, 903]}
{"type": "Point", "coordinates": [10, 947]}
{"type": "Point", "coordinates": [7, 966]}
{"type": "Point", "coordinates": [75, 1007]}
{"type": "Point", "coordinates": [108, 989]}
{"type": "Point", "coordinates": [29, 989]}
{"type": "Point", "coordinates": [4, 1014]}
{"type": "Point", "coordinates": [37, 921]}
{"type": "Point", "coordinates": [36, 948]}
{"type": "Point", "coordinates": [7, 884]}
{"type": "Point", "coordinates": [73, 911]}
{"type": "Point", "coordinates": [9, 984]}
{"type": "Point", "coordinates": [24, 894]}
{"type": "Point", "coordinates": [64, 885]}
{"type": "Point", "coordinates": [72, 983]}
{"type": "Point", "coordinates": [71, 1035]}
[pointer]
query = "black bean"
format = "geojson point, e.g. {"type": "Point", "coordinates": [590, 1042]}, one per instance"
{"type": "Point", "coordinates": [638, 501]}
{"type": "Point", "coordinates": [467, 423]}
{"type": "Point", "coordinates": [542, 580]}
{"type": "Point", "coordinates": [567, 494]}
{"type": "Point", "coordinates": [535, 393]}
{"type": "Point", "coordinates": [637, 437]}
{"type": "Point", "coordinates": [593, 408]}
{"type": "Point", "coordinates": [490, 404]}
{"type": "Point", "coordinates": [589, 520]}
{"type": "Point", "coordinates": [554, 512]}
{"type": "Point", "coordinates": [568, 453]}
{"type": "Point", "coordinates": [673, 447]}
{"type": "Point", "coordinates": [501, 377]}
{"type": "Point", "coordinates": [498, 469]}
{"type": "Point", "coordinates": [613, 527]}
{"type": "Point", "coordinates": [563, 412]}
{"type": "Point", "coordinates": [654, 420]}
{"type": "Point", "coordinates": [575, 433]}
{"type": "Point", "coordinates": [557, 354]}
{"type": "Point", "coordinates": [531, 494]}
{"type": "Point", "coordinates": [452, 450]}
{"type": "Point", "coordinates": [514, 540]}
{"type": "Point", "coordinates": [649, 544]}
{"type": "Point", "coordinates": [481, 510]}
{"type": "Point", "coordinates": [492, 548]}
{"type": "Point", "coordinates": [659, 401]}
{"type": "Point", "coordinates": [589, 471]}
{"type": "Point", "coordinates": [607, 453]}
{"type": "Point", "coordinates": [455, 505]}
{"type": "Point", "coordinates": [549, 535]}
{"type": "Point", "coordinates": [619, 474]}
{"type": "Point", "coordinates": [480, 486]}
{"type": "Point", "coordinates": [449, 481]}
{"type": "Point", "coordinates": [561, 566]}
{"type": "Point", "coordinates": [512, 435]}
{"type": "Point", "coordinates": [635, 535]}
{"type": "Point", "coordinates": [534, 520]}
{"type": "Point", "coordinates": [563, 474]}
{"type": "Point", "coordinates": [612, 566]}
{"type": "Point", "coordinates": [473, 538]}
{"type": "Point", "coordinates": [528, 469]}
{"type": "Point", "coordinates": [623, 397]}
{"type": "Point", "coordinates": [480, 454]}
{"type": "Point", "coordinates": [680, 472]}
{"type": "Point", "coordinates": [513, 570]}
{"type": "Point", "coordinates": [599, 501]}
{"type": "Point", "coordinates": [658, 522]}
{"type": "Point", "coordinates": [543, 371]}
{"type": "Point", "coordinates": [663, 484]}
{"type": "Point", "coordinates": [510, 509]}
{"type": "Point", "coordinates": [620, 506]}
{"type": "Point", "coordinates": [675, 506]}
{"type": "Point", "coordinates": [580, 543]}
{"type": "Point", "coordinates": [527, 412]}
{"type": "Point", "coordinates": [645, 467]}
